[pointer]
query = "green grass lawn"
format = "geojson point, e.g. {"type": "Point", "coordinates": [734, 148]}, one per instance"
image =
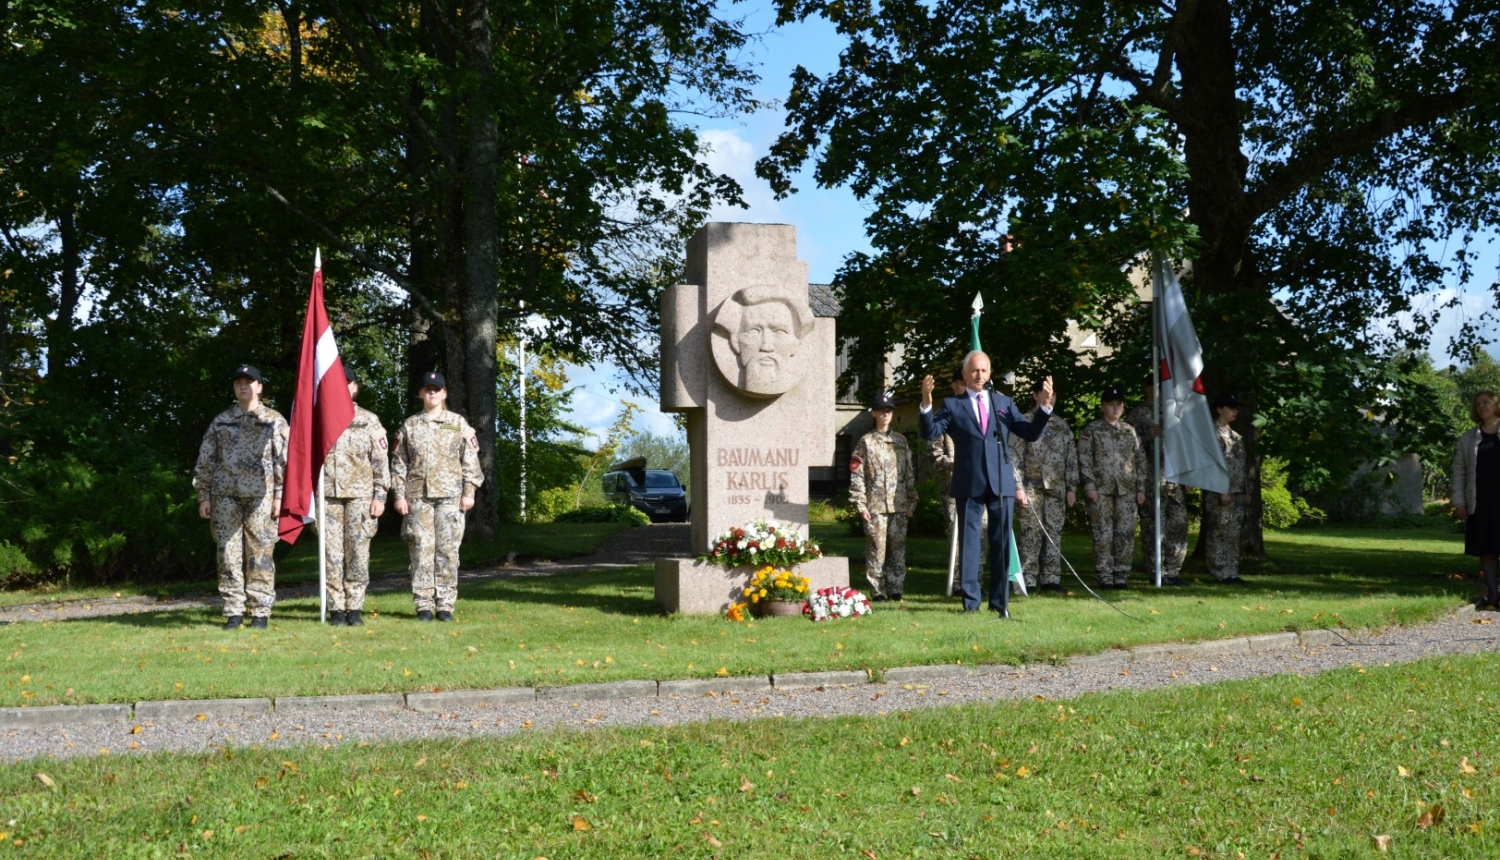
{"type": "Point", "coordinates": [299, 562]}
{"type": "Point", "coordinates": [1279, 767]}
{"type": "Point", "coordinates": [602, 626]}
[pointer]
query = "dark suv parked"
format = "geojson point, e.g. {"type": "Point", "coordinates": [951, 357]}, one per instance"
{"type": "Point", "coordinates": [655, 492]}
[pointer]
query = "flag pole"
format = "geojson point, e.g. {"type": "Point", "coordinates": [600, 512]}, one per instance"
{"type": "Point", "coordinates": [1156, 407]}
{"type": "Point", "coordinates": [322, 552]}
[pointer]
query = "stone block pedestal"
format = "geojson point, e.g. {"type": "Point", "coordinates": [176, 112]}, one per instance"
{"type": "Point", "coordinates": [693, 587]}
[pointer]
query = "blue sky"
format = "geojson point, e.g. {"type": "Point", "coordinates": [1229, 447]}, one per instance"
{"type": "Point", "coordinates": [830, 222]}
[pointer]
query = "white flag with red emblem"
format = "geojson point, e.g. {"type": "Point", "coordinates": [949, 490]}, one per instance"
{"type": "Point", "coordinates": [1190, 447]}
{"type": "Point", "coordinates": [321, 411]}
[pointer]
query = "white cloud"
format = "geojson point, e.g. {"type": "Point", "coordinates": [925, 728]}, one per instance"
{"type": "Point", "coordinates": [727, 151]}
{"type": "Point", "coordinates": [1472, 305]}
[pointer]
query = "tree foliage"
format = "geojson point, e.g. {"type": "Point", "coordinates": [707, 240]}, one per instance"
{"type": "Point", "coordinates": [166, 172]}
{"type": "Point", "coordinates": [1323, 165]}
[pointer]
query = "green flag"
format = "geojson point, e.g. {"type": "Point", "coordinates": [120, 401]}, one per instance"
{"type": "Point", "coordinates": [1013, 560]}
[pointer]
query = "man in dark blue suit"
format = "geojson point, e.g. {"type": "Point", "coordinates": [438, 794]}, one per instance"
{"type": "Point", "coordinates": [980, 422]}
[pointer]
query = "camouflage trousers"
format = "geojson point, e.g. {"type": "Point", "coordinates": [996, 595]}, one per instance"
{"type": "Point", "coordinates": [1223, 550]}
{"type": "Point", "coordinates": [885, 553]}
{"type": "Point", "coordinates": [349, 529]}
{"type": "Point", "coordinates": [1040, 561]}
{"type": "Point", "coordinates": [245, 530]}
{"type": "Point", "coordinates": [1113, 519]}
{"type": "Point", "coordinates": [434, 530]}
{"type": "Point", "coordinates": [1174, 532]}
{"type": "Point", "coordinates": [950, 513]}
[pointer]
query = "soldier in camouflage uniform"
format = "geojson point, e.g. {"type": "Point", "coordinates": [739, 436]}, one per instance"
{"type": "Point", "coordinates": [940, 451]}
{"type": "Point", "coordinates": [434, 473]}
{"type": "Point", "coordinates": [239, 477]}
{"type": "Point", "coordinates": [1113, 468]}
{"type": "Point", "coordinates": [883, 488]}
{"type": "Point", "coordinates": [1047, 470]}
{"type": "Point", "coordinates": [1174, 524]}
{"type": "Point", "coordinates": [1226, 510]}
{"type": "Point", "coordinates": [356, 476]}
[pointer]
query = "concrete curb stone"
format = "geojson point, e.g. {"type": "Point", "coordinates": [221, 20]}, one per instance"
{"type": "Point", "coordinates": [599, 692]}
{"type": "Point", "coordinates": [1213, 647]}
{"type": "Point", "coordinates": [688, 687]}
{"type": "Point", "coordinates": [813, 680]}
{"type": "Point", "coordinates": [1105, 658]}
{"type": "Point", "coordinates": [925, 674]}
{"type": "Point", "coordinates": [48, 715]}
{"type": "Point", "coordinates": [1272, 642]}
{"type": "Point", "coordinates": [1316, 638]}
{"type": "Point", "coordinates": [358, 702]}
{"type": "Point", "coordinates": [452, 700]}
{"type": "Point", "coordinates": [187, 708]}
{"type": "Point", "coordinates": [1165, 651]}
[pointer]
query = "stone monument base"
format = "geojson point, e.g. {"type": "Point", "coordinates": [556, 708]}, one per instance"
{"type": "Point", "coordinates": [693, 587]}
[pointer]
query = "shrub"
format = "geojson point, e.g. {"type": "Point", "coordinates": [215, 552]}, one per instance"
{"type": "Point", "coordinates": [931, 514]}
{"type": "Point", "coordinates": [604, 514]}
{"type": "Point", "coordinates": [1279, 508]}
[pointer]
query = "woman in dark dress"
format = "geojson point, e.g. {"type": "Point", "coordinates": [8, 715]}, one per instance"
{"type": "Point", "coordinates": [1476, 491]}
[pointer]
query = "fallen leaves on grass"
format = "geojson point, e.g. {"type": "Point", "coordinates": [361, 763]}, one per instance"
{"type": "Point", "coordinates": [44, 779]}
{"type": "Point", "coordinates": [1465, 767]}
{"type": "Point", "coordinates": [581, 824]}
{"type": "Point", "coordinates": [1383, 842]}
{"type": "Point", "coordinates": [1432, 817]}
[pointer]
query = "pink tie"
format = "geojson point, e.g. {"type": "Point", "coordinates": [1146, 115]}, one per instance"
{"type": "Point", "coordinates": [984, 416]}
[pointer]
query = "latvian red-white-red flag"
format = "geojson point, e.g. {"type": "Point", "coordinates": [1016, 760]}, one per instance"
{"type": "Point", "coordinates": [321, 411]}
{"type": "Point", "coordinates": [1190, 446]}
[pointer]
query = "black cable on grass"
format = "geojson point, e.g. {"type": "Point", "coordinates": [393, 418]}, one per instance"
{"type": "Point", "coordinates": [1076, 575]}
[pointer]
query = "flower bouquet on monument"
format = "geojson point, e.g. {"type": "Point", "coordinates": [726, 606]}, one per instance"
{"type": "Point", "coordinates": [836, 601]}
{"type": "Point", "coordinates": [760, 543]}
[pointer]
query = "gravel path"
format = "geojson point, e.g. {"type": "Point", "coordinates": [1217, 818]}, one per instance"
{"type": "Point", "coordinates": [1461, 633]}
{"type": "Point", "coordinates": [626, 548]}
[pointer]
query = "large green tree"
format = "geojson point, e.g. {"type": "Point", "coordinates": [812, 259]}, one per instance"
{"type": "Point", "coordinates": [167, 170]}
{"type": "Point", "coordinates": [1339, 157]}
{"type": "Point", "coordinates": [537, 158]}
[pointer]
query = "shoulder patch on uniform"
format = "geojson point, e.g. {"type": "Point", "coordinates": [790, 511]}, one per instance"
{"type": "Point", "coordinates": [855, 463]}
{"type": "Point", "coordinates": [474, 442]}
{"type": "Point", "coordinates": [382, 443]}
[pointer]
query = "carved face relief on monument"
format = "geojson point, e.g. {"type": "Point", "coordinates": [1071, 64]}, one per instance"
{"type": "Point", "coordinates": [757, 334]}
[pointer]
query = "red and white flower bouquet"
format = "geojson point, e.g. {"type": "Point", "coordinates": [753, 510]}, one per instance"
{"type": "Point", "coordinates": [836, 601]}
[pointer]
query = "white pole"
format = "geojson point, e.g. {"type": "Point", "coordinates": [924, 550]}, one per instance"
{"type": "Point", "coordinates": [523, 411]}
{"type": "Point", "coordinates": [1156, 409]}
{"type": "Point", "coordinates": [322, 552]}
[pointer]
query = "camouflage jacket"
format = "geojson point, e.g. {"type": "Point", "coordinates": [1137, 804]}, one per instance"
{"type": "Point", "coordinates": [436, 456]}
{"type": "Point", "coordinates": [881, 477]}
{"type": "Point", "coordinates": [243, 454]}
{"type": "Point", "coordinates": [1049, 463]}
{"type": "Point", "coordinates": [1110, 459]}
{"type": "Point", "coordinates": [940, 455]}
{"type": "Point", "coordinates": [1141, 417]}
{"type": "Point", "coordinates": [358, 466]}
{"type": "Point", "coordinates": [1233, 446]}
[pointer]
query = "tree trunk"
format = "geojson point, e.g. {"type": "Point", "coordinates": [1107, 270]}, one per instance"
{"type": "Point", "coordinates": [1224, 273]}
{"type": "Point", "coordinates": [69, 292]}
{"type": "Point", "coordinates": [481, 298]}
